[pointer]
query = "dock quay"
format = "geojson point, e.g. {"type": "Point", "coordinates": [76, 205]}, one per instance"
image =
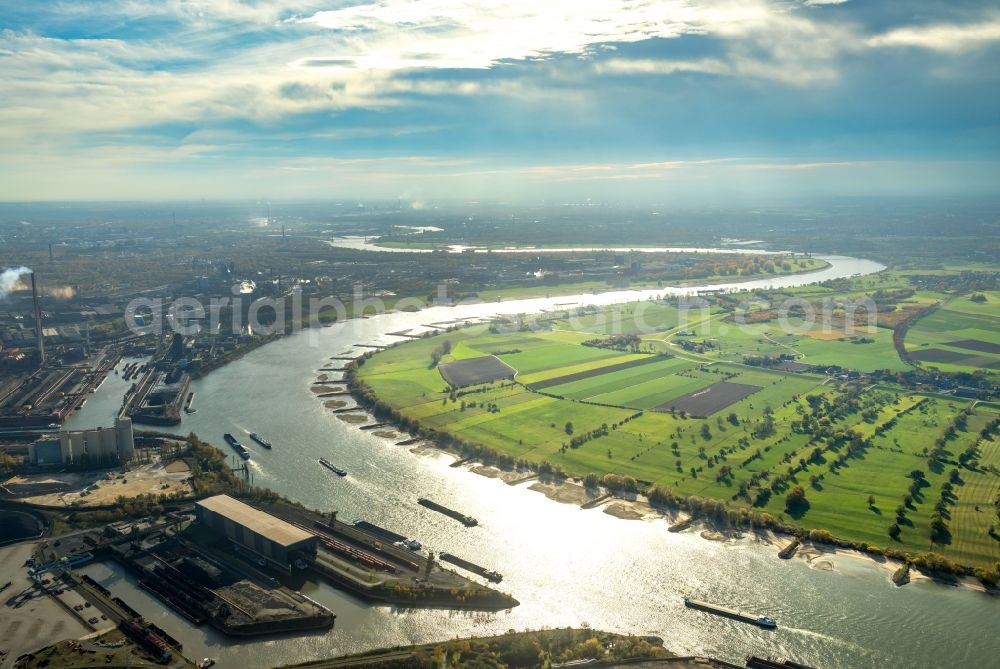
{"type": "Point", "coordinates": [372, 528]}
{"type": "Point", "coordinates": [373, 426]}
{"type": "Point", "coordinates": [408, 442]}
{"type": "Point", "coordinates": [355, 409]}
{"type": "Point", "coordinates": [406, 333]}
{"type": "Point", "coordinates": [681, 526]}
{"type": "Point", "coordinates": [468, 521]}
{"type": "Point", "coordinates": [374, 346]}
{"type": "Point", "coordinates": [411, 579]}
{"type": "Point", "coordinates": [788, 551]}
{"type": "Point", "coordinates": [754, 662]}
{"type": "Point", "coordinates": [334, 393]}
{"type": "Point", "coordinates": [490, 575]}
{"type": "Point", "coordinates": [343, 357]}
{"type": "Point", "coordinates": [142, 632]}
{"type": "Point", "coordinates": [735, 614]}
{"type": "Point", "coordinates": [231, 596]}
{"type": "Point", "coordinates": [597, 501]}
{"type": "Point", "coordinates": [332, 369]}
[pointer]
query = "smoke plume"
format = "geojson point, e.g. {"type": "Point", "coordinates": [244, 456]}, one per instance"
{"type": "Point", "coordinates": [10, 279]}
{"type": "Point", "coordinates": [60, 292]}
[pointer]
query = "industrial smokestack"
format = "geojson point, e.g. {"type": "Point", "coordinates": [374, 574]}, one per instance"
{"type": "Point", "coordinates": [38, 321]}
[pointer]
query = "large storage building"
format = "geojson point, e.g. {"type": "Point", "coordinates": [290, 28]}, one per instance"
{"type": "Point", "coordinates": [100, 447]}
{"type": "Point", "coordinates": [266, 537]}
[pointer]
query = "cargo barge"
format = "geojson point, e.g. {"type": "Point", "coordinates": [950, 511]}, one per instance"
{"type": "Point", "coordinates": [332, 467]}
{"type": "Point", "coordinates": [260, 440]}
{"type": "Point", "coordinates": [488, 574]}
{"type": "Point", "coordinates": [388, 535]}
{"type": "Point", "coordinates": [742, 616]}
{"type": "Point", "coordinates": [237, 446]}
{"type": "Point", "coordinates": [468, 521]}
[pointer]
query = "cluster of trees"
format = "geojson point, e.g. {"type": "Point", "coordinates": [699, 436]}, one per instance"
{"type": "Point", "coordinates": [622, 342]}
{"type": "Point", "coordinates": [443, 349]}
{"type": "Point", "coordinates": [917, 481]}
{"type": "Point", "coordinates": [697, 346]}
{"type": "Point", "coordinates": [940, 534]}
{"type": "Point", "coordinates": [765, 426]}
{"type": "Point", "coordinates": [581, 439]}
{"type": "Point", "coordinates": [491, 407]}
{"type": "Point", "coordinates": [617, 483]}
{"type": "Point", "coordinates": [125, 507]}
{"type": "Point", "coordinates": [795, 502]}
{"type": "Point", "coordinates": [917, 378]}
{"type": "Point", "coordinates": [767, 360]}
{"type": "Point", "coordinates": [823, 412]}
{"type": "Point", "coordinates": [524, 650]}
{"type": "Point", "coordinates": [963, 282]}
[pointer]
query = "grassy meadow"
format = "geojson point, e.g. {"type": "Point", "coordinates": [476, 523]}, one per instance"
{"type": "Point", "coordinates": [587, 403]}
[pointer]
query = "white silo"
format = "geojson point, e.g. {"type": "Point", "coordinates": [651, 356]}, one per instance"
{"type": "Point", "coordinates": [125, 439]}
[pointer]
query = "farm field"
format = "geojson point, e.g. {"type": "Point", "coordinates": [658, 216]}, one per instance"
{"type": "Point", "coordinates": [862, 348]}
{"type": "Point", "coordinates": [630, 318]}
{"type": "Point", "coordinates": [587, 404]}
{"type": "Point", "coordinates": [960, 335]}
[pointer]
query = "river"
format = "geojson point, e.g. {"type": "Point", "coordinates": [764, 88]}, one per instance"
{"type": "Point", "coordinates": [567, 566]}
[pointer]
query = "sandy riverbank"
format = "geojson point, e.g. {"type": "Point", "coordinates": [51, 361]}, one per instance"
{"type": "Point", "coordinates": [825, 557]}
{"type": "Point", "coordinates": [505, 475]}
{"type": "Point", "coordinates": [353, 418]}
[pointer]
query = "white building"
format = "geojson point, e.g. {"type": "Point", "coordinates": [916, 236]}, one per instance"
{"type": "Point", "coordinates": [104, 445]}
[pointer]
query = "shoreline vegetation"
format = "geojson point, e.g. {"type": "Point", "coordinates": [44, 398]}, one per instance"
{"type": "Point", "coordinates": [716, 514]}
{"type": "Point", "coordinates": [516, 650]}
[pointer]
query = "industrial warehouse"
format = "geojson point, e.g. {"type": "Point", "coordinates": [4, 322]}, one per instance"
{"type": "Point", "coordinates": [271, 539]}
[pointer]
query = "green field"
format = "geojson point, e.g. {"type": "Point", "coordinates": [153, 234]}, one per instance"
{"type": "Point", "coordinates": [960, 319]}
{"type": "Point", "coordinates": [843, 442]}
{"type": "Point", "coordinates": [862, 349]}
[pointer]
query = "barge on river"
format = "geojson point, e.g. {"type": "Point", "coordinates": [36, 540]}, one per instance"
{"type": "Point", "coordinates": [493, 576]}
{"type": "Point", "coordinates": [742, 616]}
{"type": "Point", "coordinates": [393, 537]}
{"type": "Point", "coordinates": [260, 440]}
{"type": "Point", "coordinates": [332, 467]}
{"type": "Point", "coordinates": [237, 446]}
{"type": "Point", "coordinates": [468, 521]}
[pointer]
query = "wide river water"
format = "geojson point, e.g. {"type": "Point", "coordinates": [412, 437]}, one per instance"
{"type": "Point", "coordinates": [567, 566]}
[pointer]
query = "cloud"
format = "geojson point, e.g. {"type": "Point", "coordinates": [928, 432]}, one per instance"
{"type": "Point", "coordinates": [941, 37]}
{"type": "Point", "coordinates": [809, 166]}
{"type": "Point", "coordinates": [400, 34]}
{"type": "Point", "coordinates": [107, 94]}
{"type": "Point", "coordinates": [662, 66]}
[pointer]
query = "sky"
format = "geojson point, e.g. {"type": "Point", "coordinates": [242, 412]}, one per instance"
{"type": "Point", "coordinates": [499, 100]}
